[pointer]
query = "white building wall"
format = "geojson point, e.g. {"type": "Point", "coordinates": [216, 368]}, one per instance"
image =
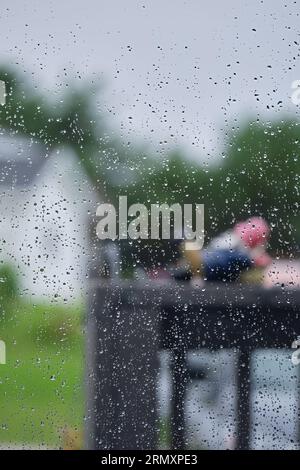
{"type": "Point", "coordinates": [44, 229]}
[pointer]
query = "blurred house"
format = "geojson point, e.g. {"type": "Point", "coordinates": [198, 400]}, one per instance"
{"type": "Point", "coordinates": [45, 205]}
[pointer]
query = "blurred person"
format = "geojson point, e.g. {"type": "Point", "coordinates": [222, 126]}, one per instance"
{"type": "Point", "coordinates": [231, 254]}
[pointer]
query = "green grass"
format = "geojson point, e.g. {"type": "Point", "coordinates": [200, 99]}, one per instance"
{"type": "Point", "coordinates": [42, 380]}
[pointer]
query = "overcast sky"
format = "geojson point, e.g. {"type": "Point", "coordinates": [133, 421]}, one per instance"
{"type": "Point", "coordinates": [176, 72]}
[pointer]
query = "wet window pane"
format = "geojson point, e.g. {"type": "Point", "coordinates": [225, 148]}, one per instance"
{"type": "Point", "coordinates": [149, 229]}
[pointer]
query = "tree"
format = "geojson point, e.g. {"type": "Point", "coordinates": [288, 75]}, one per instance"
{"type": "Point", "coordinates": [260, 174]}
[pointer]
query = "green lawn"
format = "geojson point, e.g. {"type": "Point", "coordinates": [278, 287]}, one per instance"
{"type": "Point", "coordinates": [42, 381]}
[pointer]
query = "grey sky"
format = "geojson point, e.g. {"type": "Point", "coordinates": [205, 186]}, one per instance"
{"type": "Point", "coordinates": [175, 71]}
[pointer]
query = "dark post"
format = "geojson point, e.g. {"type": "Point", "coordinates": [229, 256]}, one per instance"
{"type": "Point", "coordinates": [180, 378]}
{"type": "Point", "coordinates": [243, 400]}
{"type": "Point", "coordinates": [179, 384]}
{"type": "Point", "coordinates": [122, 370]}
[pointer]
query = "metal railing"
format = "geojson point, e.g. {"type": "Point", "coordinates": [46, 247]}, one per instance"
{"type": "Point", "coordinates": [129, 323]}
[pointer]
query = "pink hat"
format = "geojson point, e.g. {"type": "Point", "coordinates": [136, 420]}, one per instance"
{"type": "Point", "coordinates": [253, 231]}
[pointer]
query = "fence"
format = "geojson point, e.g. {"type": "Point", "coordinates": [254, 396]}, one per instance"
{"type": "Point", "coordinates": [129, 323]}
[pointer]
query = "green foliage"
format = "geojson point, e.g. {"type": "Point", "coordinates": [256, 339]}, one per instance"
{"type": "Point", "coordinates": [8, 284]}
{"type": "Point", "coordinates": [54, 324]}
{"type": "Point", "coordinates": [41, 382]}
{"type": "Point", "coordinates": [261, 176]}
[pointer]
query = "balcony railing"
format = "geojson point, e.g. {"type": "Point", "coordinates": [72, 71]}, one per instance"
{"type": "Point", "coordinates": [129, 323]}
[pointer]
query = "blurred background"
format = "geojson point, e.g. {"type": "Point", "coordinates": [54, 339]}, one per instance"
{"type": "Point", "coordinates": [163, 102]}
